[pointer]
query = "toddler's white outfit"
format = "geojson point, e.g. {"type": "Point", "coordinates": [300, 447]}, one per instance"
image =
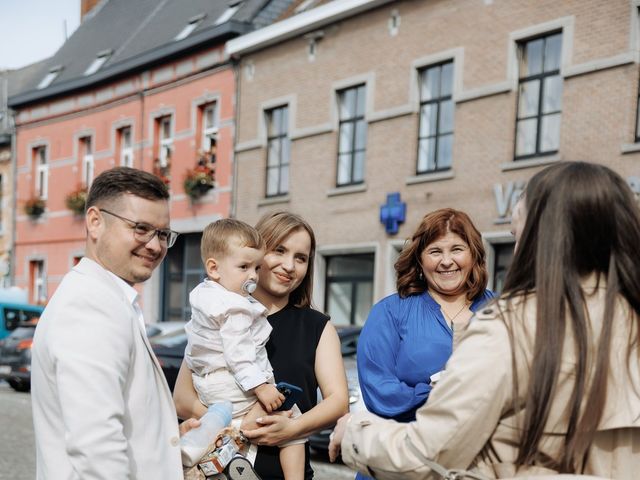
{"type": "Point", "coordinates": [226, 347]}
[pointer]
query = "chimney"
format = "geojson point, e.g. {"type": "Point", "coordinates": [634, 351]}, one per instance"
{"type": "Point", "coordinates": [86, 6]}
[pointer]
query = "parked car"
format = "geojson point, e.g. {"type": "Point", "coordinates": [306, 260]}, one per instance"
{"type": "Point", "coordinates": [13, 315]}
{"type": "Point", "coordinates": [348, 345]}
{"type": "Point", "coordinates": [15, 357]}
{"type": "Point", "coordinates": [15, 310]}
{"type": "Point", "coordinates": [157, 330]}
{"type": "Point", "coordinates": [170, 351]}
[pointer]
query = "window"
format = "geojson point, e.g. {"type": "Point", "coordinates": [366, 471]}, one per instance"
{"type": "Point", "coordinates": [49, 77]}
{"type": "Point", "coordinates": [228, 13]}
{"type": "Point", "coordinates": [435, 137]}
{"type": "Point", "coordinates": [539, 97]}
{"type": "Point", "coordinates": [638, 117]}
{"type": "Point", "coordinates": [189, 27]}
{"type": "Point", "coordinates": [209, 127]}
{"type": "Point", "coordinates": [349, 288]}
{"type": "Point", "coordinates": [38, 282]}
{"type": "Point", "coordinates": [13, 317]}
{"type": "Point", "coordinates": [352, 136]}
{"type": "Point", "coordinates": [278, 150]}
{"type": "Point", "coordinates": [125, 146]}
{"type": "Point", "coordinates": [305, 5]}
{"type": "Point", "coordinates": [166, 141]}
{"type": "Point", "coordinates": [98, 62]}
{"type": "Point", "coordinates": [502, 255]}
{"type": "Point", "coordinates": [1, 203]}
{"type": "Point", "coordinates": [41, 171]}
{"type": "Point", "coordinates": [183, 270]}
{"type": "Point", "coordinates": [86, 154]}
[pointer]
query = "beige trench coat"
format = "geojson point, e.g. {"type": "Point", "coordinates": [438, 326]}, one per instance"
{"type": "Point", "coordinates": [469, 421]}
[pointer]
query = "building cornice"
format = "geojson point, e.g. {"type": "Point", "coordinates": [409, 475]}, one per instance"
{"type": "Point", "coordinates": [299, 24]}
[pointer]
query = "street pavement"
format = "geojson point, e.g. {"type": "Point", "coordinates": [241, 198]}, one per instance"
{"type": "Point", "coordinates": [17, 447]}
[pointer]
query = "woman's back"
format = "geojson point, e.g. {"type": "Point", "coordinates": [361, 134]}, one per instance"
{"type": "Point", "coordinates": [618, 433]}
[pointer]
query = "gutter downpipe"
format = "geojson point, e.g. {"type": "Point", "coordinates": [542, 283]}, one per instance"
{"type": "Point", "coordinates": [235, 65]}
{"type": "Point", "coordinates": [14, 174]}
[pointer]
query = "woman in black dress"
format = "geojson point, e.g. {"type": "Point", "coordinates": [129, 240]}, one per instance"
{"type": "Point", "coordinates": [304, 348]}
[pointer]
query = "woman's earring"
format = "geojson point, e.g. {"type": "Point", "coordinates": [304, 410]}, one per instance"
{"type": "Point", "coordinates": [420, 275]}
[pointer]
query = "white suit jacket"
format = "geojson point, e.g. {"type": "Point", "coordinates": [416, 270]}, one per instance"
{"type": "Point", "coordinates": [101, 405]}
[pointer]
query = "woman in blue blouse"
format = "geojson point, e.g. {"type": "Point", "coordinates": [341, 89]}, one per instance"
{"type": "Point", "coordinates": [408, 337]}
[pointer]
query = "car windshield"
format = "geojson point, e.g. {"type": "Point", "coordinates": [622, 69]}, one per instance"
{"type": "Point", "coordinates": [152, 330]}
{"type": "Point", "coordinates": [22, 332]}
{"type": "Point", "coordinates": [348, 340]}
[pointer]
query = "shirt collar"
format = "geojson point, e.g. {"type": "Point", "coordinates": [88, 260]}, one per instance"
{"type": "Point", "coordinates": [130, 292]}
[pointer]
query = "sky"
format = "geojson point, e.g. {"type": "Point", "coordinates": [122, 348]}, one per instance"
{"type": "Point", "coordinates": [33, 30]}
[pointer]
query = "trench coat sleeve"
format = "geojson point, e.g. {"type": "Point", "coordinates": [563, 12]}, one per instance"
{"type": "Point", "coordinates": [458, 419]}
{"type": "Point", "coordinates": [384, 393]}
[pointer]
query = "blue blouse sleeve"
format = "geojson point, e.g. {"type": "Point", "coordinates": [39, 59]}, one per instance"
{"type": "Point", "coordinates": [383, 393]}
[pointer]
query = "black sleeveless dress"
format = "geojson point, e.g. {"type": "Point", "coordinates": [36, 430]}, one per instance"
{"type": "Point", "coordinates": [292, 352]}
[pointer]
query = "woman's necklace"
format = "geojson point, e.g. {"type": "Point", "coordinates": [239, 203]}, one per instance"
{"type": "Point", "coordinates": [452, 318]}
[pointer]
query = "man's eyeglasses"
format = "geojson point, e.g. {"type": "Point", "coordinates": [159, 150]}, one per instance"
{"type": "Point", "coordinates": [144, 233]}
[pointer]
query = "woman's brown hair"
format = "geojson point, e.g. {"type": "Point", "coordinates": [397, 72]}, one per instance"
{"type": "Point", "coordinates": [582, 220]}
{"type": "Point", "coordinates": [410, 280]}
{"type": "Point", "coordinates": [274, 228]}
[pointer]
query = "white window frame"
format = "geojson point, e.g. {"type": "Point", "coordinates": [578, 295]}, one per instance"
{"type": "Point", "coordinates": [2, 182]}
{"type": "Point", "coordinates": [491, 240]}
{"type": "Point", "coordinates": [209, 131]}
{"type": "Point", "coordinates": [98, 62]}
{"type": "Point", "coordinates": [189, 27]}
{"type": "Point", "coordinates": [51, 75]}
{"type": "Point", "coordinates": [353, 119]}
{"type": "Point", "coordinates": [228, 13]}
{"type": "Point", "coordinates": [39, 286]}
{"type": "Point", "coordinates": [166, 143]}
{"type": "Point", "coordinates": [126, 151]}
{"type": "Point", "coordinates": [282, 162]}
{"type": "Point", "coordinates": [88, 164]}
{"type": "Point", "coordinates": [41, 171]}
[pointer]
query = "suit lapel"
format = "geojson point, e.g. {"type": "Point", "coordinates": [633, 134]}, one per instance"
{"type": "Point", "coordinates": [87, 266]}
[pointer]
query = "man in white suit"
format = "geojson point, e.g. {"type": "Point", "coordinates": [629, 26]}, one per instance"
{"type": "Point", "coordinates": [101, 405]}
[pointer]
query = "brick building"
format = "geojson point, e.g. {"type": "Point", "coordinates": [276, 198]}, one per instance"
{"type": "Point", "coordinates": [6, 140]}
{"type": "Point", "coordinates": [356, 104]}
{"type": "Point", "coordinates": [145, 84]}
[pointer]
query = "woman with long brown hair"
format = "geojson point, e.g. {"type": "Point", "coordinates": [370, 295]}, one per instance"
{"type": "Point", "coordinates": [548, 380]}
{"type": "Point", "coordinates": [303, 348]}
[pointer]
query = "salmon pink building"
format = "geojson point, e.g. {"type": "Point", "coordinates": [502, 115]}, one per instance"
{"type": "Point", "coordinates": [142, 84]}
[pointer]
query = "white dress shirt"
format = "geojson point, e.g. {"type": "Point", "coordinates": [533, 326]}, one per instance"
{"type": "Point", "coordinates": [228, 331]}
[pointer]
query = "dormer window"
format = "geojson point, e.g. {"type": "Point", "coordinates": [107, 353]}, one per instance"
{"type": "Point", "coordinates": [98, 62]}
{"type": "Point", "coordinates": [228, 13]}
{"type": "Point", "coordinates": [305, 5]}
{"type": "Point", "coordinates": [50, 77]}
{"type": "Point", "coordinates": [190, 27]}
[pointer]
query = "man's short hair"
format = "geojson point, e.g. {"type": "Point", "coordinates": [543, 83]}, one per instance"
{"type": "Point", "coordinates": [217, 235]}
{"type": "Point", "coordinates": [111, 184]}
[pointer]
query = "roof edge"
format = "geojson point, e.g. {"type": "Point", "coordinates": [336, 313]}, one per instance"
{"type": "Point", "coordinates": [299, 24]}
{"type": "Point", "coordinates": [227, 29]}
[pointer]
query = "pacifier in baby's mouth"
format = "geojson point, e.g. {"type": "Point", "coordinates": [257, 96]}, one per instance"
{"type": "Point", "coordinates": [249, 286]}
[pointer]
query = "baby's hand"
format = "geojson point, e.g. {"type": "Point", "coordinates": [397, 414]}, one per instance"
{"type": "Point", "coordinates": [269, 396]}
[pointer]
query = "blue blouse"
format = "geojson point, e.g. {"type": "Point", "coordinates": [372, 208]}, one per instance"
{"type": "Point", "coordinates": [403, 342]}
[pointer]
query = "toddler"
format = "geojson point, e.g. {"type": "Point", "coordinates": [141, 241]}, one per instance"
{"type": "Point", "coordinates": [228, 332]}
